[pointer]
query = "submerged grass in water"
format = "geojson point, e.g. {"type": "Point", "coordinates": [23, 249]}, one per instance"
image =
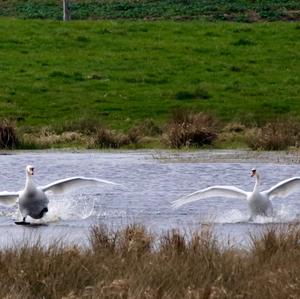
{"type": "Point", "coordinates": [133, 263]}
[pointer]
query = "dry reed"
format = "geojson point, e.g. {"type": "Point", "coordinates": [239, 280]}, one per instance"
{"type": "Point", "coordinates": [276, 135]}
{"type": "Point", "coordinates": [187, 129]}
{"type": "Point", "coordinates": [133, 263]}
{"type": "Point", "coordinates": [8, 136]}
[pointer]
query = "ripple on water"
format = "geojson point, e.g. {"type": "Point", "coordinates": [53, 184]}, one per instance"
{"type": "Point", "coordinates": [153, 179]}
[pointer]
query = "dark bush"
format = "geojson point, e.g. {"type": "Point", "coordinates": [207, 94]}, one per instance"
{"type": "Point", "coordinates": [8, 137]}
{"type": "Point", "coordinates": [190, 129]}
{"type": "Point", "coordinates": [106, 138]}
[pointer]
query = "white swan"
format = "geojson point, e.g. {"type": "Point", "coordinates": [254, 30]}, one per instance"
{"type": "Point", "coordinates": [33, 200]}
{"type": "Point", "coordinates": [259, 202]}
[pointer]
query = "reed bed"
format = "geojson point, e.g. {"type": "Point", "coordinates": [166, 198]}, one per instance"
{"type": "Point", "coordinates": [8, 136]}
{"type": "Point", "coordinates": [134, 263]}
{"type": "Point", "coordinates": [184, 129]}
{"type": "Point", "coordinates": [189, 129]}
{"type": "Point", "coordinates": [276, 135]}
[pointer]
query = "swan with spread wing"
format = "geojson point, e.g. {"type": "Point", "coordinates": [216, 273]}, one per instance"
{"type": "Point", "coordinates": [33, 200]}
{"type": "Point", "coordinates": [259, 202]}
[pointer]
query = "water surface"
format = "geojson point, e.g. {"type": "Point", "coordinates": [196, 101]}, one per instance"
{"type": "Point", "coordinates": [152, 180]}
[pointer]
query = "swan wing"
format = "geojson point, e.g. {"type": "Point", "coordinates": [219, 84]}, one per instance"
{"type": "Point", "coordinates": [284, 188]}
{"type": "Point", "coordinates": [214, 191]}
{"type": "Point", "coordinates": [8, 198]}
{"type": "Point", "coordinates": [68, 184]}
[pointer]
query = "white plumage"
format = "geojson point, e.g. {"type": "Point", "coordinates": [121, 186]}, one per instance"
{"type": "Point", "coordinates": [259, 202]}
{"type": "Point", "coordinates": [33, 200]}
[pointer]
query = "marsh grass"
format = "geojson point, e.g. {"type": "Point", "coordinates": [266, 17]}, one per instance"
{"type": "Point", "coordinates": [189, 129]}
{"type": "Point", "coordinates": [48, 138]}
{"type": "Point", "coordinates": [8, 135]}
{"type": "Point", "coordinates": [105, 138]}
{"type": "Point", "coordinates": [135, 263]}
{"type": "Point", "coordinates": [185, 129]}
{"type": "Point", "coordinates": [276, 135]}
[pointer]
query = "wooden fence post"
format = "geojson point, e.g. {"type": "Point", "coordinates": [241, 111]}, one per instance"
{"type": "Point", "coordinates": [67, 14]}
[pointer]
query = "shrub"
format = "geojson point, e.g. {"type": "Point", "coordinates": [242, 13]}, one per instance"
{"type": "Point", "coordinates": [277, 135]}
{"type": "Point", "coordinates": [105, 138]}
{"type": "Point", "coordinates": [190, 129]}
{"type": "Point", "coordinates": [8, 136]}
{"type": "Point", "coordinates": [148, 128]}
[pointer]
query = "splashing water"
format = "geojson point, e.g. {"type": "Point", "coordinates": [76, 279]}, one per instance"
{"type": "Point", "coordinates": [70, 208]}
{"type": "Point", "coordinates": [232, 216]}
{"type": "Point", "coordinates": [282, 214]}
{"type": "Point", "coordinates": [152, 183]}
{"type": "Point", "coordinates": [64, 209]}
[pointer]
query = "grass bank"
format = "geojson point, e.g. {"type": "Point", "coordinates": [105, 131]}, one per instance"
{"type": "Point", "coordinates": [133, 263]}
{"type": "Point", "coordinates": [65, 76]}
{"type": "Point", "coordinates": [234, 10]}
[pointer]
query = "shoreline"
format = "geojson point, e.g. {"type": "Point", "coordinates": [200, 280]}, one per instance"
{"type": "Point", "coordinates": [186, 156]}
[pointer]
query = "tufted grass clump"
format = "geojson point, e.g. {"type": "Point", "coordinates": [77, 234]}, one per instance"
{"type": "Point", "coordinates": [276, 135]}
{"type": "Point", "coordinates": [189, 129]}
{"type": "Point", "coordinates": [8, 135]}
{"type": "Point", "coordinates": [105, 138]}
{"type": "Point", "coordinates": [132, 262]}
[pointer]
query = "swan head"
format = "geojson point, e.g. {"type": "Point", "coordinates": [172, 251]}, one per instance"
{"type": "Point", "coordinates": [253, 172]}
{"type": "Point", "coordinates": [30, 170]}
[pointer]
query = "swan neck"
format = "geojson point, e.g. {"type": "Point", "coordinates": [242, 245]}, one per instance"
{"type": "Point", "coordinates": [29, 181]}
{"type": "Point", "coordinates": [257, 181]}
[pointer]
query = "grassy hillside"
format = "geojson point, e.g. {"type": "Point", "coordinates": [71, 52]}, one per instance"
{"type": "Point", "coordinates": [240, 10]}
{"type": "Point", "coordinates": [127, 71]}
{"type": "Point", "coordinates": [123, 72]}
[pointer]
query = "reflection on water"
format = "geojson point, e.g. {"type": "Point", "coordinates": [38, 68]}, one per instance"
{"type": "Point", "coordinates": [152, 180]}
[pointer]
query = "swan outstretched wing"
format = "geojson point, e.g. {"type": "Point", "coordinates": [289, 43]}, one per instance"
{"type": "Point", "coordinates": [284, 188]}
{"type": "Point", "coordinates": [68, 184]}
{"type": "Point", "coordinates": [214, 191]}
{"type": "Point", "coordinates": [8, 198]}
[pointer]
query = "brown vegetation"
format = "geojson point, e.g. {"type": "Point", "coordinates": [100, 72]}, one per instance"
{"type": "Point", "coordinates": [276, 135]}
{"type": "Point", "coordinates": [47, 138]}
{"type": "Point", "coordinates": [8, 137]}
{"type": "Point", "coordinates": [187, 129]}
{"type": "Point", "coordinates": [133, 263]}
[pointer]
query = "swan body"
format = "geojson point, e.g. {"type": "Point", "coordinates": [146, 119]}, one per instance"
{"type": "Point", "coordinates": [33, 200]}
{"type": "Point", "coordinates": [259, 202]}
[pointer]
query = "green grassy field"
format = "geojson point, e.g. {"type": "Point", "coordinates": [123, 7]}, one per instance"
{"type": "Point", "coordinates": [121, 72]}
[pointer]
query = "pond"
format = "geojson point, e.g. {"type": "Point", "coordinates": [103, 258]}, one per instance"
{"type": "Point", "coordinates": [151, 181]}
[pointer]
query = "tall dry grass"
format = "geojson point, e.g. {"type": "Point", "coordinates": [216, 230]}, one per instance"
{"type": "Point", "coordinates": [133, 263]}
{"type": "Point", "coordinates": [8, 135]}
{"type": "Point", "coordinates": [276, 135]}
{"type": "Point", "coordinates": [189, 129]}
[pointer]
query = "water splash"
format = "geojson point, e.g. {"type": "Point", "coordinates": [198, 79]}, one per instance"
{"type": "Point", "coordinates": [283, 214]}
{"type": "Point", "coordinates": [70, 208]}
{"type": "Point", "coordinates": [232, 216]}
{"type": "Point", "coordinates": [63, 209]}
